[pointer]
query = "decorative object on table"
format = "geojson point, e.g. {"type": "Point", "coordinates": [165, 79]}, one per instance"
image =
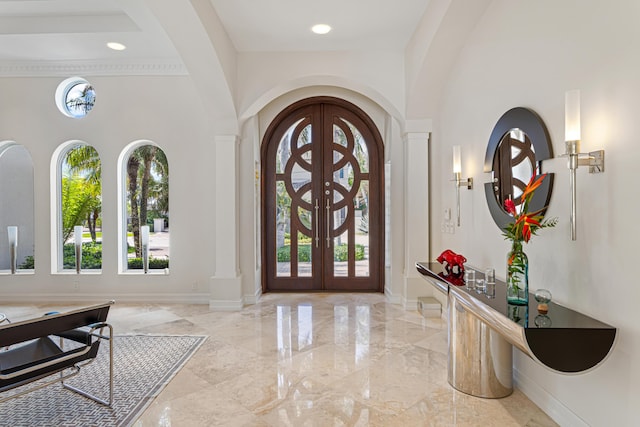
{"type": "Point", "coordinates": [542, 321]}
{"type": "Point", "coordinates": [490, 282]}
{"type": "Point", "coordinates": [456, 279]}
{"type": "Point", "coordinates": [543, 297]}
{"type": "Point", "coordinates": [470, 279]}
{"type": "Point", "coordinates": [524, 225]}
{"type": "Point", "coordinates": [452, 262]}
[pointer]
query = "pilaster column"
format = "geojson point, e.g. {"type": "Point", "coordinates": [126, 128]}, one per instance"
{"type": "Point", "coordinates": [226, 283]}
{"type": "Point", "coordinates": [416, 214]}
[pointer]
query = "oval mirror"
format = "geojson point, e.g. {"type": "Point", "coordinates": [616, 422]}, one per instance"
{"type": "Point", "coordinates": [518, 144]}
{"type": "Point", "coordinates": [513, 165]}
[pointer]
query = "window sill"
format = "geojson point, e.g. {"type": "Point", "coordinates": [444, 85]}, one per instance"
{"type": "Point", "coordinates": [73, 273]}
{"type": "Point", "coordinates": [18, 272]}
{"type": "Point", "coordinates": [153, 272]}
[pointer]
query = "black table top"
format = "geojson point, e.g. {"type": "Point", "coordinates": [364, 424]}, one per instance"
{"type": "Point", "coordinates": [557, 316]}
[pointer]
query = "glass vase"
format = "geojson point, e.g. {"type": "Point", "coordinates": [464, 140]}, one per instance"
{"type": "Point", "coordinates": [517, 275]}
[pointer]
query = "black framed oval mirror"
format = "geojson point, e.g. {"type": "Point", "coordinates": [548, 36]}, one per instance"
{"type": "Point", "coordinates": [517, 146]}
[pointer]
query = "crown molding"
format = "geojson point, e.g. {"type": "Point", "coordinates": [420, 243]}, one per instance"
{"type": "Point", "coordinates": [89, 68]}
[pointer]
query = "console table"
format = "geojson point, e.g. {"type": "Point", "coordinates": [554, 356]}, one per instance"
{"type": "Point", "coordinates": [482, 330]}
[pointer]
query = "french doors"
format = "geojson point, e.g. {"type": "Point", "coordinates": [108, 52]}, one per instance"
{"type": "Point", "coordinates": [322, 199]}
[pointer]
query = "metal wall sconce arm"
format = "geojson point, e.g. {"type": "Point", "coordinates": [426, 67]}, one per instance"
{"type": "Point", "coordinates": [593, 159]}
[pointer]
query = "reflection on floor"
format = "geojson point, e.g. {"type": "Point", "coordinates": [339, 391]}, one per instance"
{"type": "Point", "coordinates": [310, 360]}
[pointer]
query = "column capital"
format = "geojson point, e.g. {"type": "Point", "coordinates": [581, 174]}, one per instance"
{"type": "Point", "coordinates": [421, 126]}
{"type": "Point", "coordinates": [226, 139]}
{"type": "Point", "coordinates": [419, 137]}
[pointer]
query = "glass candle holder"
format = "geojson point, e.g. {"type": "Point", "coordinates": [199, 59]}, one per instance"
{"type": "Point", "coordinates": [490, 282]}
{"type": "Point", "coordinates": [470, 278]}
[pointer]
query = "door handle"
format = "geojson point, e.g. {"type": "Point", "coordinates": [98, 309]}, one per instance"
{"type": "Point", "coordinates": [317, 208]}
{"type": "Point", "coordinates": [328, 224]}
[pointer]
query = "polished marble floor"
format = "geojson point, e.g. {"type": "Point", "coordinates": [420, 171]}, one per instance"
{"type": "Point", "coordinates": [310, 360]}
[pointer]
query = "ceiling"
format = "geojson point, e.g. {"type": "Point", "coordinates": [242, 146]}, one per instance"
{"type": "Point", "coordinates": [284, 25]}
{"type": "Point", "coordinates": [60, 33]}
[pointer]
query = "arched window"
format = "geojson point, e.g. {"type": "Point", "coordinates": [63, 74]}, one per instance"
{"type": "Point", "coordinates": [16, 209]}
{"type": "Point", "coordinates": [77, 241]}
{"type": "Point", "coordinates": [143, 186]}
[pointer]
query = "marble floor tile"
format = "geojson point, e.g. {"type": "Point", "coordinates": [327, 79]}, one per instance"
{"type": "Point", "coordinates": [309, 360]}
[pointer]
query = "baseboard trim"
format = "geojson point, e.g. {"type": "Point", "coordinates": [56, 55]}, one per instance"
{"type": "Point", "coordinates": [226, 305]}
{"type": "Point", "coordinates": [393, 299]}
{"type": "Point", "coordinates": [547, 402]}
{"type": "Point", "coordinates": [178, 298]}
{"type": "Point", "coordinates": [410, 304]}
{"type": "Point", "coordinates": [253, 299]}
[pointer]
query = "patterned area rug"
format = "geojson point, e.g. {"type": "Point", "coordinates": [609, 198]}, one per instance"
{"type": "Point", "coordinates": [143, 365]}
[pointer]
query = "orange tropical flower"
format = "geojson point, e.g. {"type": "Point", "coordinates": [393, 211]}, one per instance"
{"type": "Point", "coordinates": [532, 185]}
{"type": "Point", "coordinates": [525, 224]}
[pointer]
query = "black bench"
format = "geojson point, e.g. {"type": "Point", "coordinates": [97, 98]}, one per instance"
{"type": "Point", "coordinates": [36, 349]}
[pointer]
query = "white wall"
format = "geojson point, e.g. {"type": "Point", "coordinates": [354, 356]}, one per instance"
{"type": "Point", "coordinates": [166, 110]}
{"type": "Point", "coordinates": [262, 77]}
{"type": "Point", "coordinates": [253, 134]}
{"type": "Point", "coordinates": [525, 53]}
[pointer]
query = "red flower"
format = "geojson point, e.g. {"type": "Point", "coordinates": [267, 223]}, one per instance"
{"type": "Point", "coordinates": [510, 207]}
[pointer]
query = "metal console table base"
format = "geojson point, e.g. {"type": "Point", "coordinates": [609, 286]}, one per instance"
{"type": "Point", "coordinates": [484, 329]}
{"type": "Point", "coordinates": [480, 359]}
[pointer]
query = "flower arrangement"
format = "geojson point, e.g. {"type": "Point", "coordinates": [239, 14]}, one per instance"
{"type": "Point", "coordinates": [525, 224]}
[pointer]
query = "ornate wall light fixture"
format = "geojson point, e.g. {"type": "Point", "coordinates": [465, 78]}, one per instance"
{"type": "Point", "coordinates": [593, 159]}
{"type": "Point", "coordinates": [457, 172]}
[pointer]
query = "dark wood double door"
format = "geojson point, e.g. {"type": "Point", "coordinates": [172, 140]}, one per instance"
{"type": "Point", "coordinates": [323, 192]}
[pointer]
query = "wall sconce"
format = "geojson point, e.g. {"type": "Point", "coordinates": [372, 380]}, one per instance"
{"type": "Point", "coordinates": [457, 170]}
{"type": "Point", "coordinates": [12, 231]}
{"type": "Point", "coordinates": [77, 234]}
{"type": "Point", "coordinates": [593, 159]}
{"type": "Point", "coordinates": [144, 238]}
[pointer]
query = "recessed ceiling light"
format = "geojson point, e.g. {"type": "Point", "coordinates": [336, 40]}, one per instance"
{"type": "Point", "coordinates": [321, 28]}
{"type": "Point", "coordinates": [116, 46]}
